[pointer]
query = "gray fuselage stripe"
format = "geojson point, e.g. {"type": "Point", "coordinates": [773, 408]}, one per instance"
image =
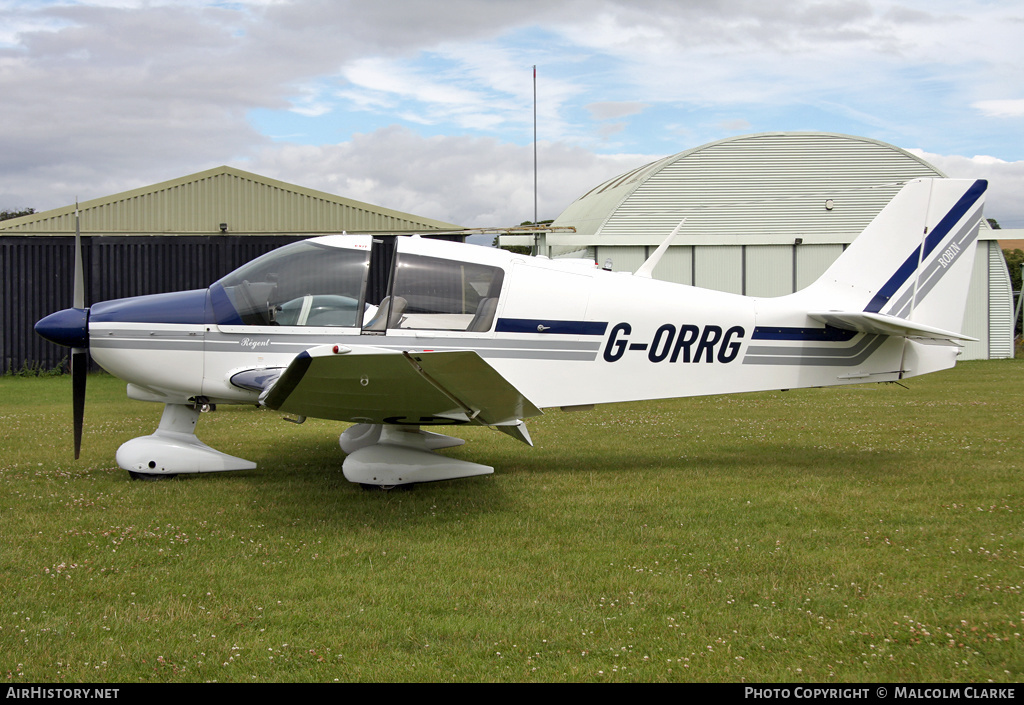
{"type": "Point", "coordinates": [833, 352]}
{"type": "Point", "coordinates": [807, 357]}
{"type": "Point", "coordinates": [507, 349]}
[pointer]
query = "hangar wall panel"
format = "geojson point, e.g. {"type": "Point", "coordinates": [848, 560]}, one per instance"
{"type": "Point", "coordinates": [769, 270]}
{"type": "Point", "coordinates": [719, 267]}
{"type": "Point", "coordinates": [676, 265]}
{"type": "Point", "coordinates": [812, 261]}
{"type": "Point", "coordinates": [1000, 301]}
{"type": "Point", "coordinates": [624, 259]}
{"type": "Point", "coordinates": [976, 322]}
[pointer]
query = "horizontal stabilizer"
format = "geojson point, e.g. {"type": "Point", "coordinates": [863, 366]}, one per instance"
{"type": "Point", "coordinates": [377, 385]}
{"type": "Point", "coordinates": [880, 324]}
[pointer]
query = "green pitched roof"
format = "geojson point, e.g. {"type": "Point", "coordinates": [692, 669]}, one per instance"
{"type": "Point", "coordinates": [199, 203]}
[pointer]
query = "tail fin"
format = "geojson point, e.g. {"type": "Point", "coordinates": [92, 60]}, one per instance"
{"type": "Point", "coordinates": [908, 272]}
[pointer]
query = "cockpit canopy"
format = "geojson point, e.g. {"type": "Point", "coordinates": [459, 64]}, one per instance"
{"type": "Point", "coordinates": [301, 284]}
{"type": "Point", "coordinates": [330, 283]}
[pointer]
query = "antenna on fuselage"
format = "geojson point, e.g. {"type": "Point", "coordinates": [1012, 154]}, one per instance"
{"type": "Point", "coordinates": [647, 268]}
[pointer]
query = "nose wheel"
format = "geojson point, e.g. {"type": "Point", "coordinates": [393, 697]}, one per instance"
{"type": "Point", "coordinates": [173, 449]}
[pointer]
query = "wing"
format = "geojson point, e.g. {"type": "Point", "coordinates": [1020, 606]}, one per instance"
{"type": "Point", "coordinates": [376, 385]}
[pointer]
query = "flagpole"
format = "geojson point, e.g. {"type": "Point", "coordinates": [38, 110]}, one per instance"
{"type": "Point", "coordinates": [534, 144]}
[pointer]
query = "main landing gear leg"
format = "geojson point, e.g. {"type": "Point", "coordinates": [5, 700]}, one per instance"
{"type": "Point", "coordinates": [174, 449]}
{"type": "Point", "coordinates": [386, 456]}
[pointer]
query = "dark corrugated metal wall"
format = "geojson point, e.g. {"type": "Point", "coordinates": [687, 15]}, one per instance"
{"type": "Point", "coordinates": [37, 277]}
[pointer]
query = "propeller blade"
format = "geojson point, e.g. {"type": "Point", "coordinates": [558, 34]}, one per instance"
{"type": "Point", "coordinates": [70, 328]}
{"type": "Point", "coordinates": [78, 298]}
{"type": "Point", "coordinates": [79, 368]}
{"type": "Point", "coordinates": [79, 356]}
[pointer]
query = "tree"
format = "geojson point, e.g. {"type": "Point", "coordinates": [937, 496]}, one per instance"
{"type": "Point", "coordinates": [8, 214]}
{"type": "Point", "coordinates": [521, 249]}
{"type": "Point", "coordinates": [1014, 259]}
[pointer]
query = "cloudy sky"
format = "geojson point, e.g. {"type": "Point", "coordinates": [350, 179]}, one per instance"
{"type": "Point", "coordinates": [427, 106]}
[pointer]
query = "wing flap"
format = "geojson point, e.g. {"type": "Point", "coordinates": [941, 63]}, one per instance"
{"type": "Point", "coordinates": [377, 385]}
{"type": "Point", "coordinates": [880, 324]}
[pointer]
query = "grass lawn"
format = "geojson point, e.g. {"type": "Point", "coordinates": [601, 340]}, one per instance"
{"type": "Point", "coordinates": [857, 534]}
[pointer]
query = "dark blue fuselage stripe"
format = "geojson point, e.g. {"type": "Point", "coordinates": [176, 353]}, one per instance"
{"type": "Point", "coordinates": [826, 334]}
{"type": "Point", "coordinates": [533, 325]}
{"type": "Point", "coordinates": [932, 241]}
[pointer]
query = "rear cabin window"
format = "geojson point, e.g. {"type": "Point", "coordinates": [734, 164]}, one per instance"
{"type": "Point", "coordinates": [439, 294]}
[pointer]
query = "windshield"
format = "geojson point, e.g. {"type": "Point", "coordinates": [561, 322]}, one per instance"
{"type": "Point", "coordinates": [302, 284]}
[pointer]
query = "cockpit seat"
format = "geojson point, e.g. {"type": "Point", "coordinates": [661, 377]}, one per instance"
{"type": "Point", "coordinates": [383, 321]}
{"type": "Point", "coordinates": [484, 316]}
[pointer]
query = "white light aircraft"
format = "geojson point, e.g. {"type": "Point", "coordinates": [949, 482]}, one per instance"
{"type": "Point", "coordinates": [462, 334]}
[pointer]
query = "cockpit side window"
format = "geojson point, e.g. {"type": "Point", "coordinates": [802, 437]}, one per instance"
{"type": "Point", "coordinates": [303, 284]}
{"type": "Point", "coordinates": [441, 294]}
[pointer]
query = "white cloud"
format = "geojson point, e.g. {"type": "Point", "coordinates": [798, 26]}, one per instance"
{"type": "Point", "coordinates": [468, 181]}
{"type": "Point", "coordinates": [736, 125]}
{"type": "Point", "coordinates": [105, 95]}
{"type": "Point", "coordinates": [1000, 108]}
{"type": "Point", "coordinates": [1004, 199]}
{"type": "Point", "coordinates": [615, 110]}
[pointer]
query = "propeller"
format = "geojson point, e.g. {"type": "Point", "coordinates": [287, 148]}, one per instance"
{"type": "Point", "coordinates": [79, 355]}
{"type": "Point", "coordinates": [70, 328]}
